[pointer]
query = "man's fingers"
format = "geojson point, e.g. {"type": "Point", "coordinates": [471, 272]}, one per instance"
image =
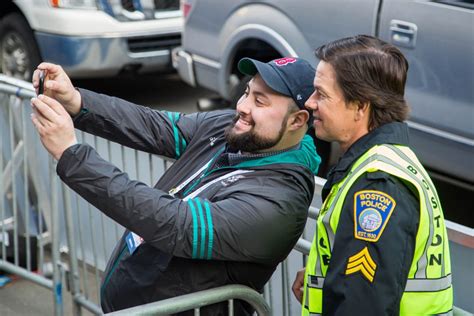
{"type": "Point", "coordinates": [44, 109]}
{"type": "Point", "coordinates": [39, 127]}
{"type": "Point", "coordinates": [56, 86]}
{"type": "Point", "coordinates": [35, 78]}
{"type": "Point", "coordinates": [50, 68]}
{"type": "Point", "coordinates": [53, 104]}
{"type": "Point", "coordinates": [298, 285]}
{"type": "Point", "coordinates": [40, 117]}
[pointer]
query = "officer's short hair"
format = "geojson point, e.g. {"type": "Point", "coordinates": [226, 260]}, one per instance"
{"type": "Point", "coordinates": [370, 70]}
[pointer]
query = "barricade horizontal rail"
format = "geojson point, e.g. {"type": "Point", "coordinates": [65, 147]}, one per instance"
{"type": "Point", "coordinates": [56, 238]}
{"type": "Point", "coordinates": [200, 299]}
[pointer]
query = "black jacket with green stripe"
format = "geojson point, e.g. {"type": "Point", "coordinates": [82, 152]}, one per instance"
{"type": "Point", "coordinates": [232, 224]}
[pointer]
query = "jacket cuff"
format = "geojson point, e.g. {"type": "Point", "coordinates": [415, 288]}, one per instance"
{"type": "Point", "coordinates": [84, 107]}
{"type": "Point", "coordinates": [67, 155]}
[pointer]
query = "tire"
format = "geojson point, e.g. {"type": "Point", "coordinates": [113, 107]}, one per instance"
{"type": "Point", "coordinates": [19, 54]}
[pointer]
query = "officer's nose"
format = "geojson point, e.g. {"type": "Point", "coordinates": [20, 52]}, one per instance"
{"type": "Point", "coordinates": [311, 104]}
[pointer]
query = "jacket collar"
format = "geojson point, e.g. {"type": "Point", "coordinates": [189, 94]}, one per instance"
{"type": "Point", "coordinates": [395, 133]}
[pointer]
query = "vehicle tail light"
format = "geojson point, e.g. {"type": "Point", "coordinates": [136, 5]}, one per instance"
{"type": "Point", "coordinates": [186, 6]}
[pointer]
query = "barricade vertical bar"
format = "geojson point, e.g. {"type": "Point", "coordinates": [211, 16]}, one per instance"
{"type": "Point", "coordinates": [102, 216]}
{"type": "Point", "coordinates": [110, 155]}
{"type": "Point", "coordinates": [85, 282]}
{"type": "Point", "coordinates": [40, 239]}
{"type": "Point", "coordinates": [93, 244]}
{"type": "Point", "coordinates": [267, 292]}
{"type": "Point", "coordinates": [94, 251]}
{"type": "Point", "coordinates": [73, 266]}
{"type": "Point", "coordinates": [284, 287]}
{"type": "Point", "coordinates": [231, 307]}
{"type": "Point", "coordinates": [57, 285]}
{"type": "Point", "coordinates": [150, 164]}
{"type": "Point", "coordinates": [13, 186]}
{"type": "Point", "coordinates": [26, 188]}
{"type": "Point", "coordinates": [2, 200]}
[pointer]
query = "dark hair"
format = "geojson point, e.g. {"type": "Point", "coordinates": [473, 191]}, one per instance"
{"type": "Point", "coordinates": [370, 70]}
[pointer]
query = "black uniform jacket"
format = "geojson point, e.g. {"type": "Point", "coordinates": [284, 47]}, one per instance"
{"type": "Point", "coordinates": [354, 294]}
{"type": "Point", "coordinates": [235, 231]}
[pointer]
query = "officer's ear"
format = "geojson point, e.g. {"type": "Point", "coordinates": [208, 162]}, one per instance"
{"type": "Point", "coordinates": [362, 110]}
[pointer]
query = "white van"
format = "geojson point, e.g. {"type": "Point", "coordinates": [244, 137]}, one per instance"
{"type": "Point", "coordinates": [89, 38]}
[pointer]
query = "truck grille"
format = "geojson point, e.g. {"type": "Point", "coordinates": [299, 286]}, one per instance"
{"type": "Point", "coordinates": [166, 5]}
{"type": "Point", "coordinates": [139, 10]}
{"type": "Point", "coordinates": [128, 5]}
{"type": "Point", "coordinates": [153, 43]}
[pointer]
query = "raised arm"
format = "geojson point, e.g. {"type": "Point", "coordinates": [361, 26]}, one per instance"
{"type": "Point", "coordinates": [135, 126]}
{"type": "Point", "coordinates": [195, 228]}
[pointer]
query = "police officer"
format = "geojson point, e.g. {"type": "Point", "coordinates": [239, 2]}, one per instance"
{"type": "Point", "coordinates": [380, 246]}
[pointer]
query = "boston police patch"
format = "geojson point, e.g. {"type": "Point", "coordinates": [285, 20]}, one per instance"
{"type": "Point", "coordinates": [372, 210]}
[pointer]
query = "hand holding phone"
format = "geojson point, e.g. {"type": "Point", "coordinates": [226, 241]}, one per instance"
{"type": "Point", "coordinates": [41, 83]}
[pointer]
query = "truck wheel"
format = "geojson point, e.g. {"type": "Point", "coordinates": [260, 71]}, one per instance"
{"type": "Point", "coordinates": [19, 54]}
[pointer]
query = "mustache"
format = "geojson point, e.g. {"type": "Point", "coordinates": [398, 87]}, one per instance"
{"type": "Point", "coordinates": [237, 117]}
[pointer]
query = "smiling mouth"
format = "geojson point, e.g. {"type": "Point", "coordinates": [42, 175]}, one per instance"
{"type": "Point", "coordinates": [241, 121]}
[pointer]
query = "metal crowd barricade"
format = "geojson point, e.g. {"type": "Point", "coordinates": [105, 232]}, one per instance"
{"type": "Point", "coordinates": [67, 241]}
{"type": "Point", "coordinates": [52, 237]}
{"type": "Point", "coordinates": [23, 196]}
{"type": "Point", "coordinates": [48, 234]}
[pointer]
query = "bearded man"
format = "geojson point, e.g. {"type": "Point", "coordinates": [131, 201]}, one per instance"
{"type": "Point", "coordinates": [229, 209]}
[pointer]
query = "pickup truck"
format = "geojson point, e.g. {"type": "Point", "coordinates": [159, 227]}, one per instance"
{"type": "Point", "coordinates": [89, 38]}
{"type": "Point", "coordinates": [436, 36]}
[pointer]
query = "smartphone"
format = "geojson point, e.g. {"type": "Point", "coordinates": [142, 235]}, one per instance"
{"type": "Point", "coordinates": [41, 83]}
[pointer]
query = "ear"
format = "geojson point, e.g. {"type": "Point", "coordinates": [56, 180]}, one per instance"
{"type": "Point", "coordinates": [361, 110]}
{"type": "Point", "coordinates": [297, 120]}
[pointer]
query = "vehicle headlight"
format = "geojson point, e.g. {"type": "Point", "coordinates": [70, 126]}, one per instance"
{"type": "Point", "coordinates": [74, 4]}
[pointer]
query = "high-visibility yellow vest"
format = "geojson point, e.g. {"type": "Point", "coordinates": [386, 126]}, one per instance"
{"type": "Point", "coordinates": [428, 290]}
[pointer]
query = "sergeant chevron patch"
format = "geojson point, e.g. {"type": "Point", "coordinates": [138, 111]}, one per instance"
{"type": "Point", "coordinates": [363, 262]}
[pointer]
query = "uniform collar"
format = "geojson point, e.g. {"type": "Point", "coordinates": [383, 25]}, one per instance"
{"type": "Point", "coordinates": [395, 133]}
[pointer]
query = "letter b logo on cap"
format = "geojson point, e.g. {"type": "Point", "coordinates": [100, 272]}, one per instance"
{"type": "Point", "coordinates": [284, 61]}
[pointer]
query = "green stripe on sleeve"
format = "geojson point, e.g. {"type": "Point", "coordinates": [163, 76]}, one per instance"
{"type": "Point", "coordinates": [175, 131]}
{"type": "Point", "coordinates": [195, 228]}
{"type": "Point", "coordinates": [183, 143]}
{"type": "Point", "coordinates": [176, 135]}
{"type": "Point", "coordinates": [203, 229]}
{"type": "Point", "coordinates": [210, 229]}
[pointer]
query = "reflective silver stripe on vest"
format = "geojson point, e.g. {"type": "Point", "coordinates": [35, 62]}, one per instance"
{"type": "Point", "coordinates": [327, 217]}
{"type": "Point", "coordinates": [316, 282]}
{"type": "Point", "coordinates": [428, 285]}
{"type": "Point", "coordinates": [423, 262]}
{"type": "Point", "coordinates": [424, 258]}
{"type": "Point", "coordinates": [317, 268]}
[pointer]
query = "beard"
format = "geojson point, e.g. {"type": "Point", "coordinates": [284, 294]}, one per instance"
{"type": "Point", "coordinates": [250, 141]}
